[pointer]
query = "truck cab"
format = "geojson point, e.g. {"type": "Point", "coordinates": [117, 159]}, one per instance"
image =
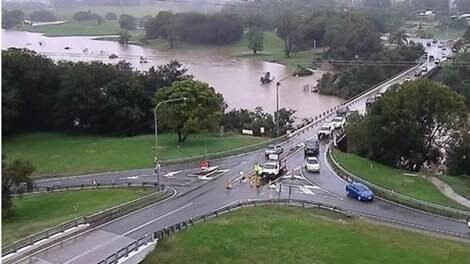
{"type": "Point", "coordinates": [312, 148]}
{"type": "Point", "coordinates": [273, 169]}
{"type": "Point", "coordinates": [273, 149]}
{"type": "Point", "coordinates": [325, 131]}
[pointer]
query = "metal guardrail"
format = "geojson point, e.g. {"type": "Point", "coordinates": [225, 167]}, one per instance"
{"type": "Point", "coordinates": [397, 197]}
{"type": "Point", "coordinates": [166, 232]}
{"type": "Point", "coordinates": [94, 219]}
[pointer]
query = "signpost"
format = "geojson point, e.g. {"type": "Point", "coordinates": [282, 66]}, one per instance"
{"type": "Point", "coordinates": [204, 164]}
{"type": "Point", "coordinates": [157, 165]}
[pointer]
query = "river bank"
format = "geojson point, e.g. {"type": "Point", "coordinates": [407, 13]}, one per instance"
{"type": "Point", "coordinates": [236, 77]}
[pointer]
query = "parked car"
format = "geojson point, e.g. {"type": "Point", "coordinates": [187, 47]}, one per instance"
{"type": "Point", "coordinates": [424, 69]}
{"type": "Point", "coordinates": [273, 149]}
{"type": "Point", "coordinates": [444, 48]}
{"type": "Point", "coordinates": [359, 191]}
{"type": "Point", "coordinates": [338, 122]}
{"type": "Point", "coordinates": [431, 57]}
{"type": "Point", "coordinates": [440, 45]}
{"type": "Point", "coordinates": [311, 148]}
{"type": "Point", "coordinates": [418, 73]}
{"type": "Point", "coordinates": [312, 165]}
{"type": "Point", "coordinates": [434, 41]}
{"type": "Point", "coordinates": [370, 101]}
{"type": "Point", "coordinates": [325, 131]}
{"type": "Point", "coordinates": [437, 61]}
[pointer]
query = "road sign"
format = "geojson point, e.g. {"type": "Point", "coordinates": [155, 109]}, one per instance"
{"type": "Point", "coordinates": [204, 165]}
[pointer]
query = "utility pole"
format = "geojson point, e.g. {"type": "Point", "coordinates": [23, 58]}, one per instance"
{"type": "Point", "coordinates": [277, 108]}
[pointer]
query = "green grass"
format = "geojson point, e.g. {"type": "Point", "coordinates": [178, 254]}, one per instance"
{"type": "Point", "coordinates": [56, 153]}
{"type": "Point", "coordinates": [134, 10]}
{"type": "Point", "coordinates": [393, 179]}
{"type": "Point", "coordinates": [459, 184]}
{"type": "Point", "coordinates": [38, 212]}
{"type": "Point", "coordinates": [273, 50]}
{"type": "Point", "coordinates": [76, 28]}
{"type": "Point", "coordinates": [268, 234]}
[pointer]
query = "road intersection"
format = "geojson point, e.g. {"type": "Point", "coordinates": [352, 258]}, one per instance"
{"type": "Point", "coordinates": [198, 195]}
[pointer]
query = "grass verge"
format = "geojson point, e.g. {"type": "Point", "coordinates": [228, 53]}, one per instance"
{"type": "Point", "coordinates": [76, 28]}
{"type": "Point", "coordinates": [270, 234]}
{"type": "Point", "coordinates": [37, 212]}
{"type": "Point", "coordinates": [399, 181]}
{"type": "Point", "coordinates": [65, 154]}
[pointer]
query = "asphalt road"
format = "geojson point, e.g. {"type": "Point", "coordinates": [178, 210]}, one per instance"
{"type": "Point", "coordinates": [196, 196]}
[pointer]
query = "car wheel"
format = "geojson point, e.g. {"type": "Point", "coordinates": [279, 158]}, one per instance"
{"type": "Point", "coordinates": [358, 197]}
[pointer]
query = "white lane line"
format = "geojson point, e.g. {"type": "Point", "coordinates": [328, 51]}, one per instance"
{"type": "Point", "coordinates": [156, 219]}
{"type": "Point", "coordinates": [125, 234]}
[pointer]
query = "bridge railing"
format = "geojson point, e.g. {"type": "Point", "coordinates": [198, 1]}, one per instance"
{"type": "Point", "coordinates": [93, 220]}
{"type": "Point", "coordinates": [394, 196]}
{"type": "Point", "coordinates": [168, 231]}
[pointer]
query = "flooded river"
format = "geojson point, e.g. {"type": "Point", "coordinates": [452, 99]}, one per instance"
{"type": "Point", "coordinates": [238, 79]}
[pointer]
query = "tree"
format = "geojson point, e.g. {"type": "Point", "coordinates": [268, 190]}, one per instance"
{"type": "Point", "coordinates": [110, 16]}
{"type": "Point", "coordinates": [201, 111]}
{"type": "Point", "coordinates": [458, 154]}
{"type": "Point", "coordinates": [124, 37]}
{"type": "Point", "coordinates": [409, 125]}
{"type": "Point", "coordinates": [255, 39]}
{"type": "Point", "coordinates": [14, 174]}
{"type": "Point", "coordinates": [11, 19]}
{"type": "Point", "coordinates": [399, 37]}
{"type": "Point", "coordinates": [287, 30]}
{"type": "Point", "coordinates": [286, 120]}
{"type": "Point", "coordinates": [42, 16]}
{"type": "Point", "coordinates": [127, 22]}
{"type": "Point", "coordinates": [463, 6]}
{"type": "Point", "coordinates": [87, 16]}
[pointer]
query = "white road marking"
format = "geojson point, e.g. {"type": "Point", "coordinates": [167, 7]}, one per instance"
{"type": "Point", "coordinates": [171, 174]}
{"type": "Point", "coordinates": [306, 190]}
{"type": "Point", "coordinates": [127, 233]}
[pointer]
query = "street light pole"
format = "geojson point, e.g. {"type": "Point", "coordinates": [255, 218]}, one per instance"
{"type": "Point", "coordinates": [277, 108]}
{"type": "Point", "coordinates": [157, 169]}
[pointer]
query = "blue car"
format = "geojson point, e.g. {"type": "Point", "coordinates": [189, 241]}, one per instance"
{"type": "Point", "coordinates": [359, 191]}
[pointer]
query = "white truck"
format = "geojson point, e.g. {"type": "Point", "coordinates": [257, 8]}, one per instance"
{"type": "Point", "coordinates": [273, 169]}
{"type": "Point", "coordinates": [325, 131]}
{"type": "Point", "coordinates": [338, 122]}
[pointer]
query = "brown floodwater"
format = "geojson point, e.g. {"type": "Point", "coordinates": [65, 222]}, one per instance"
{"type": "Point", "coordinates": [238, 79]}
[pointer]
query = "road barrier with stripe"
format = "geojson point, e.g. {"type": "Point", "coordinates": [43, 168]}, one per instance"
{"type": "Point", "coordinates": [93, 220]}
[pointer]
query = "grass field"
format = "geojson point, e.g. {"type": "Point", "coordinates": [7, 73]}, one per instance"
{"type": "Point", "coordinates": [460, 185]}
{"type": "Point", "coordinates": [37, 212]}
{"type": "Point", "coordinates": [268, 234]}
{"type": "Point", "coordinates": [76, 28]}
{"type": "Point", "coordinates": [273, 50]}
{"type": "Point", "coordinates": [55, 153]}
{"type": "Point", "coordinates": [393, 179]}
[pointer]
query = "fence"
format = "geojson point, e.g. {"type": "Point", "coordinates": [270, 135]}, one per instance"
{"type": "Point", "coordinates": [160, 234]}
{"type": "Point", "coordinates": [397, 197]}
{"type": "Point", "coordinates": [93, 220]}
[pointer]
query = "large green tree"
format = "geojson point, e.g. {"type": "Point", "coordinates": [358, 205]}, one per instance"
{"type": "Point", "coordinates": [255, 39]}
{"type": "Point", "coordinates": [458, 154]}
{"type": "Point", "coordinates": [127, 22]}
{"type": "Point", "coordinates": [202, 110]}
{"type": "Point", "coordinates": [14, 175]}
{"type": "Point", "coordinates": [410, 124]}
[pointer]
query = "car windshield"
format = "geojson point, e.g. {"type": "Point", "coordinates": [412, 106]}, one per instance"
{"type": "Point", "coordinates": [270, 166]}
{"type": "Point", "coordinates": [361, 188]}
{"type": "Point", "coordinates": [312, 161]}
